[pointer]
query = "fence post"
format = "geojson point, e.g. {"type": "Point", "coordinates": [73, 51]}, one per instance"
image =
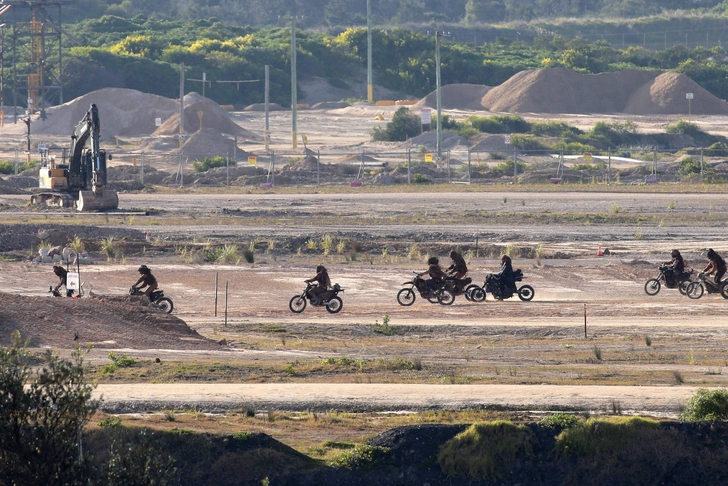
{"type": "Point", "coordinates": [16, 161]}
{"type": "Point", "coordinates": [654, 160]}
{"type": "Point", "coordinates": [701, 164]}
{"type": "Point", "coordinates": [515, 164]}
{"type": "Point", "coordinates": [273, 168]}
{"type": "Point", "coordinates": [449, 179]}
{"type": "Point", "coordinates": [226, 303]}
{"type": "Point", "coordinates": [318, 167]}
{"type": "Point", "coordinates": [141, 171]}
{"type": "Point", "coordinates": [227, 169]}
{"type": "Point", "coordinates": [609, 163]}
{"type": "Point", "coordinates": [469, 176]}
{"type": "Point", "coordinates": [217, 276]}
{"type": "Point", "coordinates": [409, 159]}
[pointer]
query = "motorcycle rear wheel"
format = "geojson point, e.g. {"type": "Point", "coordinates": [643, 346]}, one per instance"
{"type": "Point", "coordinates": [724, 290]}
{"type": "Point", "coordinates": [335, 304]}
{"type": "Point", "coordinates": [406, 297]}
{"type": "Point", "coordinates": [683, 287]}
{"type": "Point", "coordinates": [297, 304]}
{"type": "Point", "coordinates": [526, 293]}
{"type": "Point", "coordinates": [165, 305]}
{"type": "Point", "coordinates": [695, 290]}
{"type": "Point", "coordinates": [446, 297]}
{"type": "Point", "coordinates": [652, 286]}
{"type": "Point", "coordinates": [477, 294]}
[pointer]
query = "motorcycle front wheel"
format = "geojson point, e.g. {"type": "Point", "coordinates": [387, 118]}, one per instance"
{"type": "Point", "coordinates": [695, 290]}
{"type": "Point", "coordinates": [477, 294]}
{"type": "Point", "coordinates": [406, 297]}
{"type": "Point", "coordinates": [335, 304]}
{"type": "Point", "coordinates": [652, 286]}
{"type": "Point", "coordinates": [724, 290]}
{"type": "Point", "coordinates": [526, 293]}
{"type": "Point", "coordinates": [446, 297]}
{"type": "Point", "coordinates": [165, 305]}
{"type": "Point", "coordinates": [297, 304]}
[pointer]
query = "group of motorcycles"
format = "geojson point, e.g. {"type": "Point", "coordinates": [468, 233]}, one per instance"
{"type": "Point", "coordinates": [445, 293]}
{"type": "Point", "coordinates": [694, 289]}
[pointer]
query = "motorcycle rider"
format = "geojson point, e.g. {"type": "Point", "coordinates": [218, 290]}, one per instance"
{"type": "Point", "coordinates": [323, 283]}
{"type": "Point", "coordinates": [459, 268]}
{"type": "Point", "coordinates": [62, 274]}
{"type": "Point", "coordinates": [437, 276]}
{"type": "Point", "coordinates": [716, 265]}
{"type": "Point", "coordinates": [676, 268]}
{"type": "Point", "coordinates": [506, 277]}
{"type": "Point", "coordinates": [146, 280]}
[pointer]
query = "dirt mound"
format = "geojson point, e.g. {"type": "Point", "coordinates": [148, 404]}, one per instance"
{"type": "Point", "coordinates": [101, 322]}
{"type": "Point", "coordinates": [665, 95]}
{"type": "Point", "coordinates": [558, 90]}
{"type": "Point", "coordinates": [9, 187]}
{"type": "Point", "coordinates": [207, 142]}
{"type": "Point", "coordinates": [124, 112]}
{"type": "Point", "coordinates": [449, 141]}
{"type": "Point", "coordinates": [213, 118]}
{"type": "Point", "coordinates": [491, 143]}
{"type": "Point", "coordinates": [455, 97]}
{"type": "Point", "coordinates": [261, 107]}
{"type": "Point", "coordinates": [330, 105]}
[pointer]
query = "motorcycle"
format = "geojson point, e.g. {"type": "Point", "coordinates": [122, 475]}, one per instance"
{"type": "Point", "coordinates": [330, 299]}
{"type": "Point", "coordinates": [667, 275]}
{"type": "Point", "coordinates": [493, 286]}
{"type": "Point", "coordinates": [157, 299]}
{"type": "Point", "coordinates": [696, 289]}
{"type": "Point", "coordinates": [442, 295]}
{"type": "Point", "coordinates": [56, 293]}
{"type": "Point", "coordinates": [462, 286]}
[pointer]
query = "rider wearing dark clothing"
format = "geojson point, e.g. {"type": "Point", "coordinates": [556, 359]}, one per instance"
{"type": "Point", "coordinates": [716, 264]}
{"type": "Point", "coordinates": [459, 268]}
{"type": "Point", "coordinates": [506, 276]}
{"type": "Point", "coordinates": [323, 282]}
{"type": "Point", "coordinates": [146, 280]}
{"type": "Point", "coordinates": [437, 276]}
{"type": "Point", "coordinates": [676, 267]}
{"type": "Point", "coordinates": [63, 276]}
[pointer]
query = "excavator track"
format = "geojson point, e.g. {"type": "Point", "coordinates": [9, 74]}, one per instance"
{"type": "Point", "coordinates": [57, 199]}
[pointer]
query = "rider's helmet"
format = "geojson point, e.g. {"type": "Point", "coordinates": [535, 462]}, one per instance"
{"type": "Point", "coordinates": [144, 269]}
{"type": "Point", "coordinates": [711, 254]}
{"type": "Point", "coordinates": [58, 270]}
{"type": "Point", "coordinates": [675, 253]}
{"type": "Point", "coordinates": [505, 258]}
{"type": "Point", "coordinates": [433, 261]}
{"type": "Point", "coordinates": [320, 268]}
{"type": "Point", "coordinates": [453, 253]}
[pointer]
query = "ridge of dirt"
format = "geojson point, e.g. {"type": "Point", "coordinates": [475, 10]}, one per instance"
{"type": "Point", "coordinates": [98, 321]}
{"type": "Point", "coordinates": [213, 118]}
{"type": "Point", "coordinates": [461, 96]}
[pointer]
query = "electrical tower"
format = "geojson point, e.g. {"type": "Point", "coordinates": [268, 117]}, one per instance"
{"type": "Point", "coordinates": [36, 53]}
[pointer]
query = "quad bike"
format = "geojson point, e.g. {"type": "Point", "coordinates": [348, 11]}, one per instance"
{"type": "Point", "coordinates": [494, 286]}
{"type": "Point", "coordinates": [329, 299]}
{"type": "Point", "coordinates": [442, 295]}
{"type": "Point", "coordinates": [653, 285]}
{"type": "Point", "coordinates": [157, 299]}
{"type": "Point", "coordinates": [696, 289]}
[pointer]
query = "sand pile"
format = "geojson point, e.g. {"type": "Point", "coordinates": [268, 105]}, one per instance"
{"type": "Point", "coordinates": [261, 107]}
{"type": "Point", "coordinates": [123, 112]}
{"type": "Point", "coordinates": [207, 143]}
{"type": "Point", "coordinates": [665, 95]}
{"type": "Point", "coordinates": [455, 97]}
{"type": "Point", "coordinates": [213, 118]}
{"type": "Point", "coordinates": [8, 187]}
{"type": "Point", "coordinates": [101, 322]}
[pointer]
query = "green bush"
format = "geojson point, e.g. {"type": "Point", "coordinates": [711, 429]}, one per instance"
{"type": "Point", "coordinates": [614, 133]}
{"type": "Point", "coordinates": [466, 131]}
{"type": "Point", "coordinates": [527, 142]}
{"type": "Point", "coordinates": [595, 437]}
{"type": "Point", "coordinates": [685, 128]}
{"type": "Point", "coordinates": [500, 124]}
{"type": "Point", "coordinates": [420, 179]}
{"type": "Point", "coordinates": [203, 165]}
{"type": "Point", "coordinates": [554, 129]}
{"type": "Point", "coordinates": [689, 166]}
{"type": "Point", "coordinates": [706, 406]}
{"type": "Point", "coordinates": [404, 125]}
{"type": "Point", "coordinates": [572, 147]}
{"type": "Point", "coordinates": [362, 456]}
{"type": "Point", "coordinates": [507, 166]}
{"type": "Point", "coordinates": [9, 167]}
{"type": "Point", "coordinates": [485, 451]}
{"type": "Point", "coordinates": [561, 420]}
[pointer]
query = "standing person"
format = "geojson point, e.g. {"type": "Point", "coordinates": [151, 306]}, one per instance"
{"type": "Point", "coordinates": [437, 276]}
{"type": "Point", "coordinates": [146, 280]}
{"type": "Point", "coordinates": [323, 283]}
{"type": "Point", "coordinates": [677, 265]}
{"type": "Point", "coordinates": [716, 265]}
{"type": "Point", "coordinates": [459, 268]}
{"type": "Point", "coordinates": [62, 274]}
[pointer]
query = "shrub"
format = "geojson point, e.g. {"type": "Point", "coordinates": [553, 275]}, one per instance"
{"type": "Point", "coordinates": [561, 420]}
{"type": "Point", "coordinates": [9, 167]}
{"type": "Point", "coordinates": [685, 128]}
{"type": "Point", "coordinates": [527, 142]}
{"type": "Point", "coordinates": [554, 129]}
{"type": "Point", "coordinates": [404, 125]}
{"type": "Point", "coordinates": [500, 124]}
{"type": "Point", "coordinates": [593, 437]}
{"type": "Point", "coordinates": [362, 456]}
{"type": "Point", "coordinates": [614, 133]}
{"type": "Point", "coordinates": [706, 406]}
{"type": "Point", "coordinates": [121, 360]}
{"type": "Point", "coordinates": [485, 451]}
{"type": "Point", "coordinates": [507, 166]}
{"type": "Point", "coordinates": [572, 147]}
{"type": "Point", "coordinates": [420, 179]}
{"type": "Point", "coordinates": [689, 166]}
{"type": "Point", "coordinates": [466, 131]}
{"type": "Point", "coordinates": [208, 163]}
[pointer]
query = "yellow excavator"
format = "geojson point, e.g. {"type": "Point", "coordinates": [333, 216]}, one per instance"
{"type": "Point", "coordinates": [80, 182]}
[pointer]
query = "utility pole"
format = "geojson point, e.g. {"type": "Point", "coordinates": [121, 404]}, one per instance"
{"type": "Point", "coordinates": [439, 99]}
{"type": "Point", "coordinates": [266, 134]}
{"type": "Point", "coordinates": [27, 122]}
{"type": "Point", "coordinates": [370, 81]}
{"type": "Point", "coordinates": [181, 98]}
{"type": "Point", "coordinates": [294, 90]}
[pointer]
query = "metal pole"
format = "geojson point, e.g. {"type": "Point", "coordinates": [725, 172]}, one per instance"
{"type": "Point", "coordinates": [701, 163]}
{"type": "Point", "coordinates": [217, 276]}
{"type": "Point", "coordinates": [318, 168]}
{"type": "Point", "coordinates": [449, 179]}
{"type": "Point", "coordinates": [370, 82]}
{"type": "Point", "coordinates": [609, 163]}
{"type": "Point", "coordinates": [227, 169]}
{"type": "Point", "coordinates": [294, 93]}
{"type": "Point", "coordinates": [226, 303]}
{"type": "Point", "coordinates": [141, 172]}
{"type": "Point", "coordinates": [272, 168]}
{"type": "Point", "coordinates": [266, 134]}
{"type": "Point", "coordinates": [515, 164]}
{"type": "Point", "coordinates": [585, 321]}
{"type": "Point", "coordinates": [469, 174]}
{"type": "Point", "coordinates": [409, 160]}
{"type": "Point", "coordinates": [181, 97]}
{"type": "Point", "coordinates": [439, 99]}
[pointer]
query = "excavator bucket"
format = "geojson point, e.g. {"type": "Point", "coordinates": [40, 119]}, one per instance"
{"type": "Point", "coordinates": [90, 201]}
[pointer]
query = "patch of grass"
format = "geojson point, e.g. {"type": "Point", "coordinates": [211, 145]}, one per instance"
{"type": "Point", "coordinates": [341, 246]}
{"type": "Point", "coordinates": [241, 435]}
{"type": "Point", "coordinates": [112, 421]}
{"type": "Point", "coordinates": [672, 205]}
{"type": "Point", "coordinates": [121, 360]}
{"type": "Point", "coordinates": [228, 254]}
{"type": "Point", "coordinates": [485, 451]}
{"type": "Point", "coordinates": [362, 456]}
{"type": "Point", "coordinates": [706, 406]}
{"type": "Point", "coordinates": [597, 437]}
{"type": "Point", "coordinates": [108, 369]}
{"type": "Point", "coordinates": [169, 416]}
{"type": "Point", "coordinates": [597, 352]}
{"type": "Point", "coordinates": [560, 420]}
{"type": "Point", "coordinates": [383, 328]}
{"type": "Point", "coordinates": [420, 179]}
{"type": "Point", "coordinates": [77, 244]}
{"type": "Point", "coordinates": [311, 244]}
{"type": "Point", "coordinates": [327, 244]}
{"type": "Point", "coordinates": [108, 247]}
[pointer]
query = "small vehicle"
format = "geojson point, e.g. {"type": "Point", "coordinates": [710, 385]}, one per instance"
{"type": "Point", "coordinates": [56, 293]}
{"type": "Point", "coordinates": [443, 295]}
{"type": "Point", "coordinates": [493, 286]}
{"type": "Point", "coordinates": [461, 286]}
{"type": "Point", "coordinates": [329, 299]}
{"type": "Point", "coordinates": [696, 289]}
{"type": "Point", "coordinates": [653, 285]}
{"type": "Point", "coordinates": [157, 299]}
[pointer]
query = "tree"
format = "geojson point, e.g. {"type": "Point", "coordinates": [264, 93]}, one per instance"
{"type": "Point", "coordinates": [485, 11]}
{"type": "Point", "coordinates": [42, 414]}
{"type": "Point", "coordinates": [403, 125]}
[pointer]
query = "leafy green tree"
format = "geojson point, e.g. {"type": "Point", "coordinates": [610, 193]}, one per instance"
{"type": "Point", "coordinates": [484, 11]}
{"type": "Point", "coordinates": [403, 126]}
{"type": "Point", "coordinates": [136, 460]}
{"type": "Point", "coordinates": [42, 415]}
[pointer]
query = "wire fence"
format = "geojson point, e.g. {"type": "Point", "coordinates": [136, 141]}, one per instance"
{"type": "Point", "coordinates": [416, 165]}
